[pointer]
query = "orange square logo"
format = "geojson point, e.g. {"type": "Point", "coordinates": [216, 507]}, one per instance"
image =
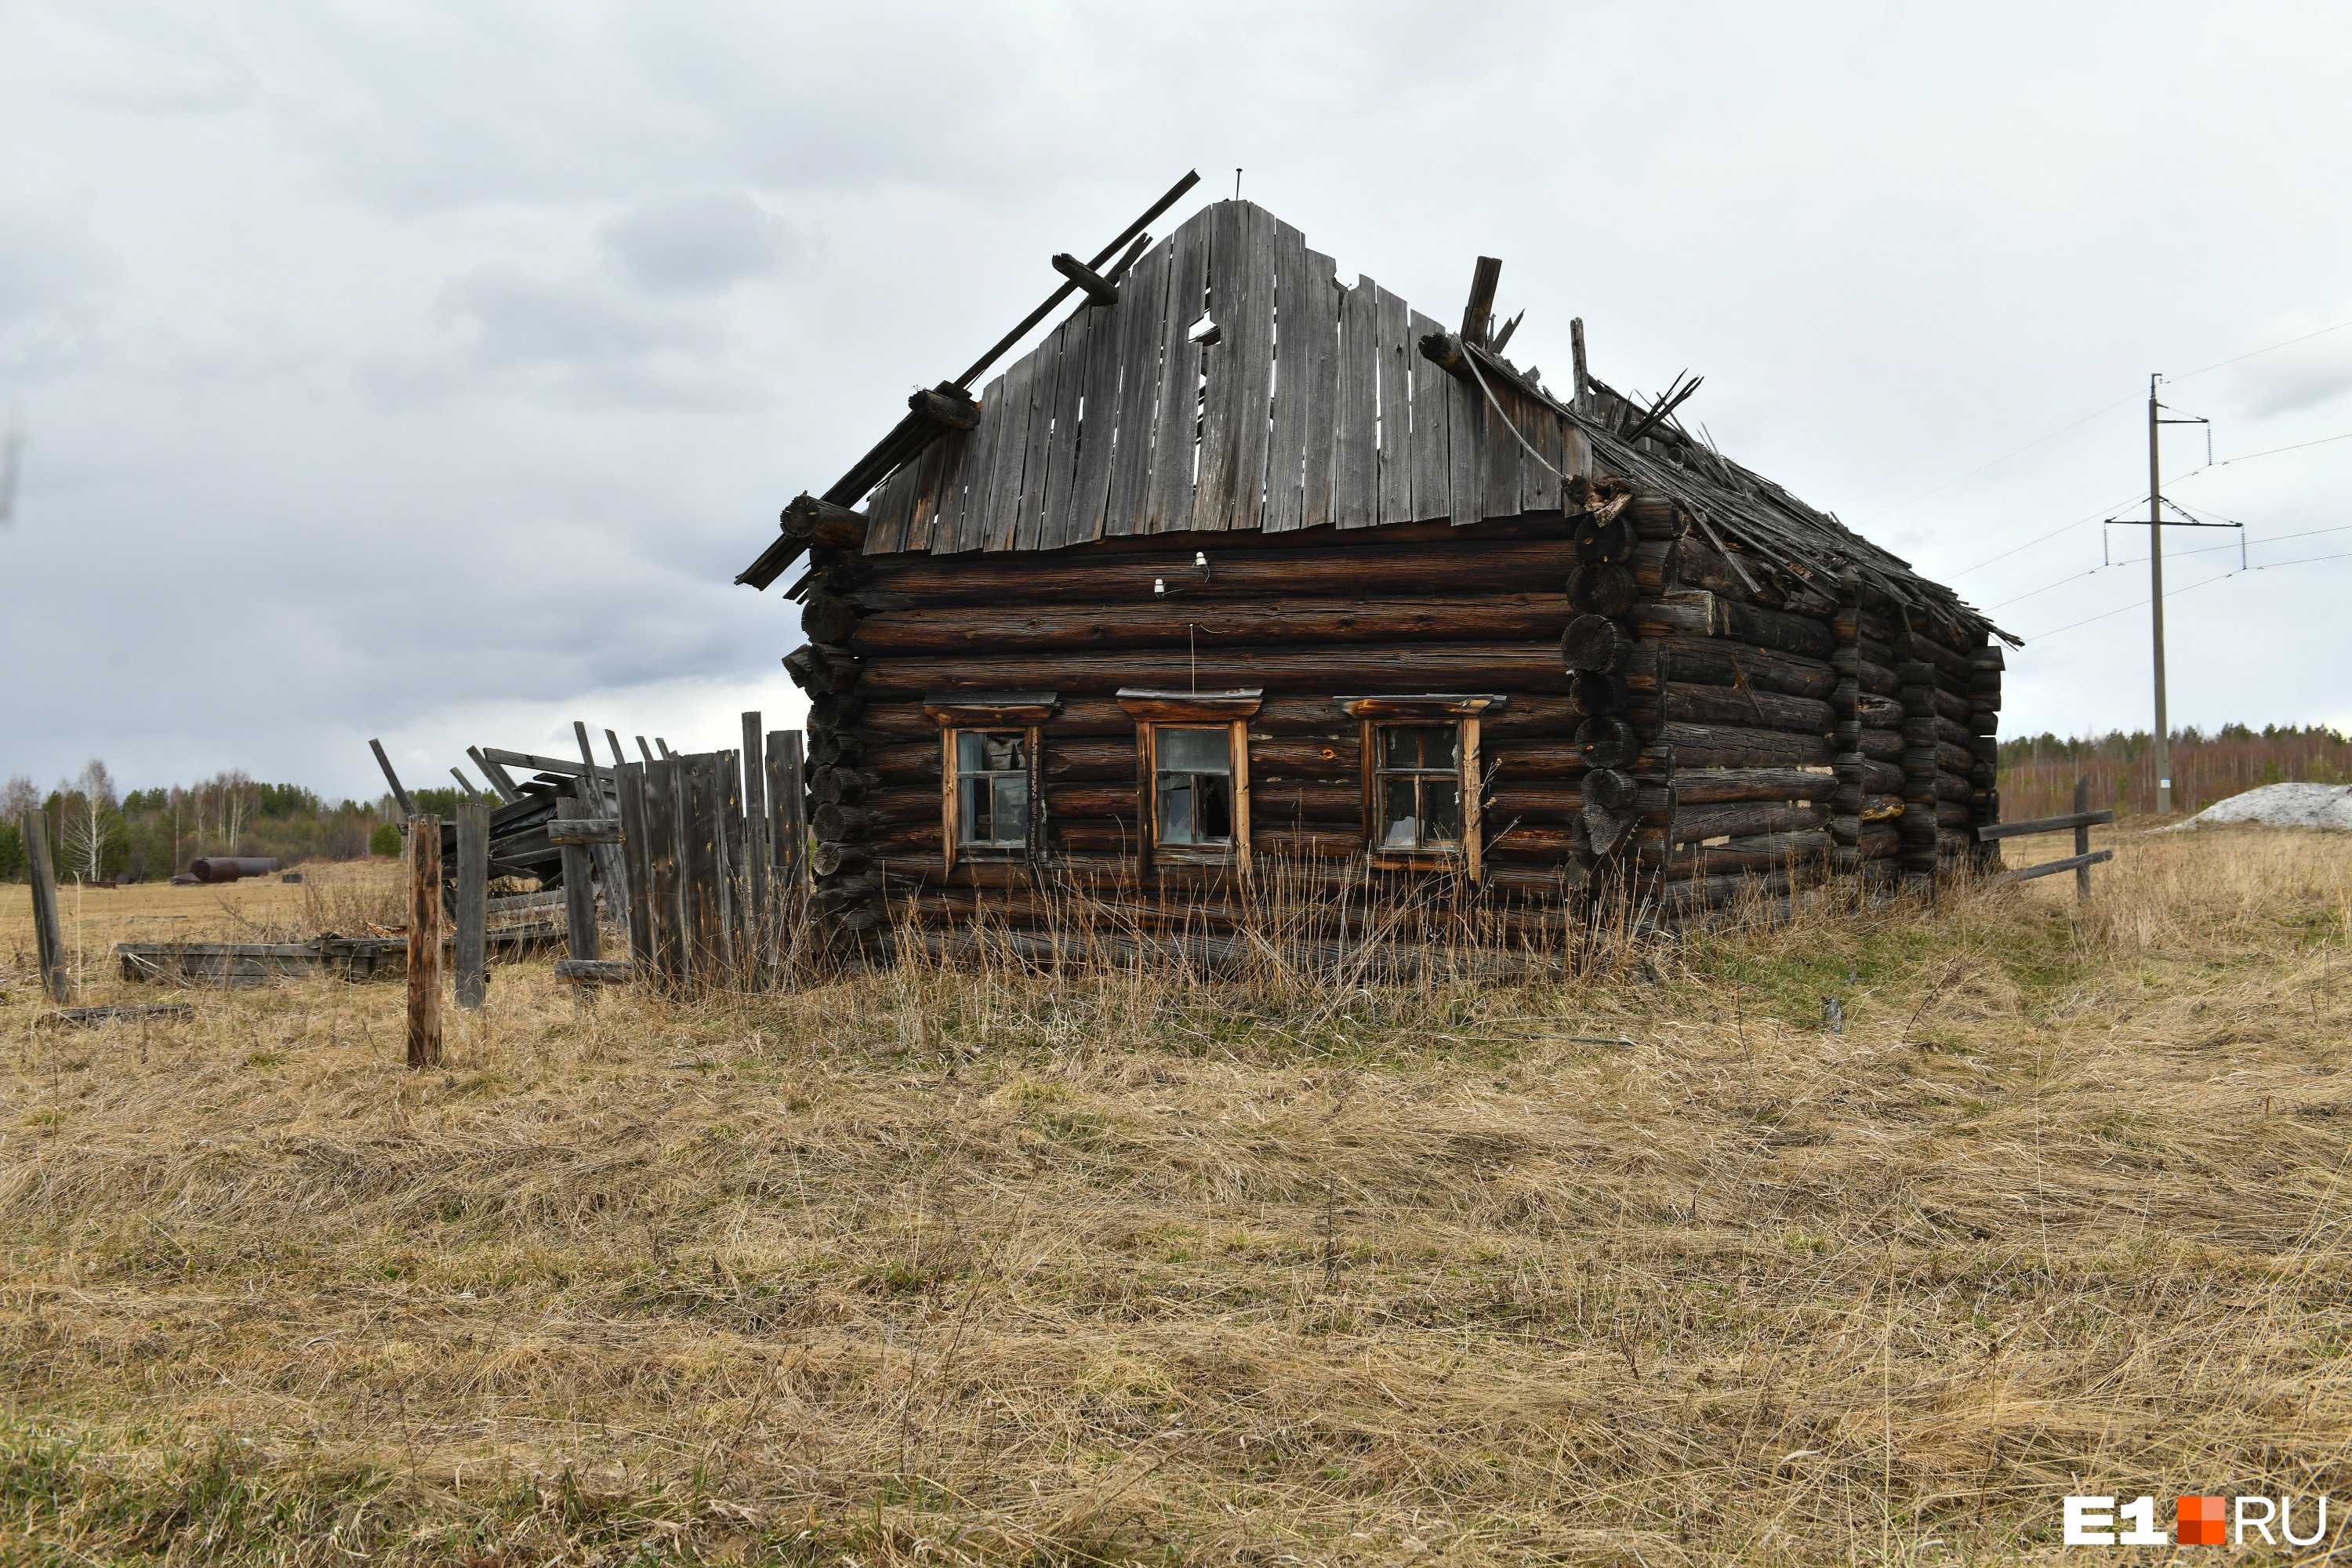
{"type": "Point", "coordinates": [2197, 1522]}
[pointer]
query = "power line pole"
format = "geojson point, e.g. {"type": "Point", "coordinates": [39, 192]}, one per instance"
{"type": "Point", "coordinates": [2156, 603]}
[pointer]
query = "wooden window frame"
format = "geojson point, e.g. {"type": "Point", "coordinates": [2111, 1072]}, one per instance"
{"type": "Point", "coordinates": [1025, 711]}
{"type": "Point", "coordinates": [1463, 709]}
{"type": "Point", "coordinates": [1191, 710]}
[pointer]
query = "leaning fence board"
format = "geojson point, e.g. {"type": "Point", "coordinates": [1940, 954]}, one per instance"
{"type": "Point", "coordinates": [729, 834]}
{"type": "Point", "coordinates": [48, 937]}
{"type": "Point", "coordinates": [759, 917]}
{"type": "Point", "coordinates": [424, 942]}
{"type": "Point", "coordinates": [473, 901]}
{"type": "Point", "coordinates": [661, 867]}
{"type": "Point", "coordinates": [634, 849]}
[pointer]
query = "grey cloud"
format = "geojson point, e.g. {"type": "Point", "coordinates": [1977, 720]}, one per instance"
{"type": "Point", "coordinates": [694, 244]}
{"type": "Point", "coordinates": [579, 343]}
{"type": "Point", "coordinates": [389, 364]}
{"type": "Point", "coordinates": [2295, 382]}
{"type": "Point", "coordinates": [53, 276]}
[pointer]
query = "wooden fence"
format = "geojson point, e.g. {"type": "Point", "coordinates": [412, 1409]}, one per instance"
{"type": "Point", "coordinates": [709, 858]}
{"type": "Point", "coordinates": [2082, 819]}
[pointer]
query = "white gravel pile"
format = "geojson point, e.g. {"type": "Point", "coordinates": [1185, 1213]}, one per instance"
{"type": "Point", "coordinates": [2281, 806]}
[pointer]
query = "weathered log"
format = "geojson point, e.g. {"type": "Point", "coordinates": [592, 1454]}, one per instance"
{"type": "Point", "coordinates": [1603, 537]}
{"type": "Point", "coordinates": [834, 711]}
{"type": "Point", "coordinates": [1881, 745]}
{"type": "Point", "coordinates": [1174, 621]}
{"type": "Point", "coordinates": [1921, 732]}
{"type": "Point", "coordinates": [1699, 613]}
{"type": "Point", "coordinates": [1322, 670]}
{"type": "Point", "coordinates": [1370, 567]}
{"type": "Point", "coordinates": [1869, 774]}
{"type": "Point", "coordinates": [822, 670]}
{"type": "Point", "coordinates": [1694, 787]}
{"type": "Point", "coordinates": [950, 408]}
{"type": "Point", "coordinates": [825, 618]}
{"type": "Point", "coordinates": [845, 787]}
{"type": "Point", "coordinates": [1747, 706]}
{"type": "Point", "coordinates": [1694, 825]}
{"type": "Point", "coordinates": [848, 823]}
{"type": "Point", "coordinates": [1722, 745]}
{"type": "Point", "coordinates": [1696, 563]}
{"type": "Point", "coordinates": [1760, 852]}
{"type": "Point", "coordinates": [1594, 643]}
{"type": "Point", "coordinates": [1601, 588]}
{"type": "Point", "coordinates": [1611, 789]}
{"type": "Point", "coordinates": [1607, 742]}
{"type": "Point", "coordinates": [1698, 893]}
{"type": "Point", "coordinates": [813, 521]}
{"type": "Point", "coordinates": [1873, 676]}
{"type": "Point", "coordinates": [1594, 693]}
{"type": "Point", "coordinates": [1711, 661]}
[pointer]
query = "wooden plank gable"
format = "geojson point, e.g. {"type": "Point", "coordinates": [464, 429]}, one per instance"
{"type": "Point", "coordinates": [1312, 406]}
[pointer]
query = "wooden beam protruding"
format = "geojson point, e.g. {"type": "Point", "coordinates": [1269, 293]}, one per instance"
{"type": "Point", "coordinates": [950, 407]}
{"type": "Point", "coordinates": [399, 794]}
{"type": "Point", "coordinates": [1100, 289]}
{"type": "Point", "coordinates": [1478, 315]}
{"type": "Point", "coordinates": [815, 521]}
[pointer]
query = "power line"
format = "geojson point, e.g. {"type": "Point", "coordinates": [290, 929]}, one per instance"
{"type": "Point", "coordinates": [2272, 452]}
{"type": "Point", "coordinates": [2088, 517]}
{"type": "Point", "coordinates": [2206, 549]}
{"type": "Point", "coordinates": [2085, 419]}
{"type": "Point", "coordinates": [2177, 479]}
{"type": "Point", "coordinates": [1980, 467]}
{"type": "Point", "coordinates": [2176, 593]}
{"type": "Point", "coordinates": [2251, 354]}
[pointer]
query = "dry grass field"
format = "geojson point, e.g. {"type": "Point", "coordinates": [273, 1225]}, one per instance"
{"type": "Point", "coordinates": [1652, 1268]}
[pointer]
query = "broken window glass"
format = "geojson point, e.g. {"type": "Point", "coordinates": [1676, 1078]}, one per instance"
{"type": "Point", "coordinates": [1194, 785]}
{"type": "Point", "coordinates": [1417, 787]}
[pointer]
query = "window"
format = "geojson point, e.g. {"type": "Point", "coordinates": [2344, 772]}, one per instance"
{"type": "Point", "coordinates": [1417, 786]}
{"type": "Point", "coordinates": [1421, 778]}
{"type": "Point", "coordinates": [1192, 774]}
{"type": "Point", "coordinates": [991, 774]}
{"type": "Point", "coordinates": [991, 801]}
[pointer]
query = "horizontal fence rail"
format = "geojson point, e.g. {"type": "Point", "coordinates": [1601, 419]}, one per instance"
{"type": "Point", "coordinates": [2080, 821]}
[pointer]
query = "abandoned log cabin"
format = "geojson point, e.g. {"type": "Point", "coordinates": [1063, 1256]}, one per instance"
{"type": "Point", "coordinates": [1239, 565]}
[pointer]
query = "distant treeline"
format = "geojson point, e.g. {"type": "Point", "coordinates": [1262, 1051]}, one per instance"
{"type": "Point", "coordinates": [98, 833]}
{"type": "Point", "coordinates": [2037, 772]}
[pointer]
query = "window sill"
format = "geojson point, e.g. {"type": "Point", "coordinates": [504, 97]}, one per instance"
{"type": "Point", "coordinates": [1416, 859]}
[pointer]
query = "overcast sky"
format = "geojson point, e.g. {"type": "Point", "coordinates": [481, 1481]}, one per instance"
{"type": "Point", "coordinates": [427, 371]}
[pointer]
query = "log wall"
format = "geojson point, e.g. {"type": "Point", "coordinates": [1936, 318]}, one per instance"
{"type": "Point", "coordinates": [1681, 720]}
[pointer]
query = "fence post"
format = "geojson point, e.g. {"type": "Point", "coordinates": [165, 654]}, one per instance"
{"type": "Point", "coordinates": [758, 914]}
{"type": "Point", "coordinates": [473, 901]}
{"type": "Point", "coordinates": [581, 937]}
{"type": "Point", "coordinates": [424, 942]}
{"type": "Point", "coordinates": [49, 938]}
{"type": "Point", "coordinates": [2083, 840]}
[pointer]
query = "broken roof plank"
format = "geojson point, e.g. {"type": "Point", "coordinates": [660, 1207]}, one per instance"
{"type": "Point", "coordinates": [1167, 499]}
{"type": "Point", "coordinates": [1141, 317]}
{"type": "Point", "coordinates": [1355, 456]}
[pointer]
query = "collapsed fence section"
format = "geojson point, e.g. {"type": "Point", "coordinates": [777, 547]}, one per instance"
{"type": "Point", "coordinates": [714, 847]}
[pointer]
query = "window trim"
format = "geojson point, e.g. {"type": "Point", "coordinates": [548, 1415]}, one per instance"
{"type": "Point", "coordinates": [1025, 711]}
{"type": "Point", "coordinates": [1191, 709]}
{"type": "Point", "coordinates": [1464, 710]}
